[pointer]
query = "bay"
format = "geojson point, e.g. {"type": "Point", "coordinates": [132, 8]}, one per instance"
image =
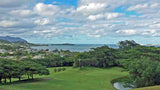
{"type": "Point", "coordinates": [73, 48]}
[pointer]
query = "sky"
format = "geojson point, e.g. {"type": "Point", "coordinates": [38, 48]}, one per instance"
{"type": "Point", "coordinates": [81, 21]}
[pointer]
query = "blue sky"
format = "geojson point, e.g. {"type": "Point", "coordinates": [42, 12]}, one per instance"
{"type": "Point", "coordinates": [62, 2]}
{"type": "Point", "coordinates": [81, 21]}
{"type": "Point", "coordinates": [123, 9]}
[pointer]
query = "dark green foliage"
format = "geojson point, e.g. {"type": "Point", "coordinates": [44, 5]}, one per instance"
{"type": "Point", "coordinates": [97, 57]}
{"type": "Point", "coordinates": [141, 61]}
{"type": "Point", "coordinates": [59, 69]}
{"type": "Point", "coordinates": [63, 69]}
{"type": "Point", "coordinates": [55, 70]}
{"type": "Point", "coordinates": [127, 56]}
{"type": "Point", "coordinates": [54, 61]}
{"type": "Point", "coordinates": [4, 41]}
{"type": "Point", "coordinates": [127, 44]}
{"type": "Point", "coordinates": [16, 69]}
{"type": "Point", "coordinates": [143, 64]}
{"type": "Point", "coordinates": [145, 72]}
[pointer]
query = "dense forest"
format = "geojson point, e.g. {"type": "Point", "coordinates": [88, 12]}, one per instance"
{"type": "Point", "coordinates": [142, 62]}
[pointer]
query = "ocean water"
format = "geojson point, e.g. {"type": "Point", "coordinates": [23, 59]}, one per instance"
{"type": "Point", "coordinates": [73, 48]}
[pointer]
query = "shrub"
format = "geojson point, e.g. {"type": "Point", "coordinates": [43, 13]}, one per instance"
{"type": "Point", "coordinates": [63, 69]}
{"type": "Point", "coordinates": [55, 70]}
{"type": "Point", "coordinates": [59, 69]}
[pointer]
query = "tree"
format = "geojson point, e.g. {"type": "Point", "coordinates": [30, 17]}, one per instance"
{"type": "Point", "coordinates": [1, 71]}
{"type": "Point", "coordinates": [32, 68]}
{"type": "Point", "coordinates": [9, 69]}
{"type": "Point", "coordinates": [127, 44]}
{"type": "Point", "coordinates": [145, 72]}
{"type": "Point", "coordinates": [15, 69]}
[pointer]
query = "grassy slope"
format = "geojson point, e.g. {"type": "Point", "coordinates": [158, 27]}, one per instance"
{"type": "Point", "coordinates": [149, 88]}
{"type": "Point", "coordinates": [72, 79]}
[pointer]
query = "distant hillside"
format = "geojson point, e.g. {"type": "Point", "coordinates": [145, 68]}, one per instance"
{"type": "Point", "coordinates": [12, 39]}
{"type": "Point", "coordinates": [4, 41]}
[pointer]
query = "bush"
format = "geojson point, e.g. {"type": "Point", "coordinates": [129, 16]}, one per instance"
{"type": "Point", "coordinates": [59, 69]}
{"type": "Point", "coordinates": [55, 70]}
{"type": "Point", "coordinates": [63, 69]}
{"type": "Point", "coordinates": [145, 72]}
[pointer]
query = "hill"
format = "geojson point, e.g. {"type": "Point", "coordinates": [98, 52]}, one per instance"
{"type": "Point", "coordinates": [12, 39]}
{"type": "Point", "coordinates": [4, 41]}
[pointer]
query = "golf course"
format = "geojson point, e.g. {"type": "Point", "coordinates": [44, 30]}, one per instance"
{"type": "Point", "coordinates": [88, 78]}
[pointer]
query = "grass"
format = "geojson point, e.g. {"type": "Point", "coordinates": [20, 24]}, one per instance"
{"type": "Point", "coordinates": [149, 88]}
{"type": "Point", "coordinates": [72, 79]}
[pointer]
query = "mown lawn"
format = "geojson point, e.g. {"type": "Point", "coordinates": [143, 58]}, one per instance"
{"type": "Point", "coordinates": [71, 79]}
{"type": "Point", "coordinates": [149, 88]}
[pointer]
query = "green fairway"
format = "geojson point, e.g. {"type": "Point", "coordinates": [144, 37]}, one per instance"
{"type": "Point", "coordinates": [71, 79]}
{"type": "Point", "coordinates": [149, 88]}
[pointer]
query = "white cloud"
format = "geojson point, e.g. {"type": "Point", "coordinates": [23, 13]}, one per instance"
{"type": "Point", "coordinates": [90, 35]}
{"type": "Point", "coordinates": [155, 25]}
{"type": "Point", "coordinates": [112, 15]}
{"type": "Point", "coordinates": [126, 32]}
{"type": "Point", "coordinates": [154, 5]}
{"type": "Point", "coordinates": [142, 32]}
{"type": "Point", "coordinates": [46, 9]}
{"type": "Point", "coordinates": [91, 7]}
{"type": "Point", "coordinates": [51, 31]}
{"type": "Point", "coordinates": [106, 16]}
{"type": "Point", "coordinates": [22, 13]}
{"type": "Point", "coordinates": [95, 17]}
{"type": "Point", "coordinates": [139, 6]}
{"type": "Point", "coordinates": [43, 21]}
{"type": "Point", "coordinates": [148, 32]}
{"type": "Point", "coordinates": [6, 23]}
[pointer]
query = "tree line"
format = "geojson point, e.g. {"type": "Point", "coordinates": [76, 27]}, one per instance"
{"type": "Point", "coordinates": [17, 69]}
{"type": "Point", "coordinates": [142, 62]}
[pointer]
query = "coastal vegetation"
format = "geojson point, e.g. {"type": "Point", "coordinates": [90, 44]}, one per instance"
{"type": "Point", "coordinates": [141, 64]}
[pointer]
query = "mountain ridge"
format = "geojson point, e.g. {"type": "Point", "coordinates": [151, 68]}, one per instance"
{"type": "Point", "coordinates": [12, 39]}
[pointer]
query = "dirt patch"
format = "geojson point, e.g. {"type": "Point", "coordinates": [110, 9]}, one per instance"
{"type": "Point", "coordinates": [46, 78]}
{"type": "Point", "coordinates": [40, 79]}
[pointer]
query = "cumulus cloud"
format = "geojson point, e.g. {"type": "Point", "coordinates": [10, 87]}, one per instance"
{"type": "Point", "coordinates": [23, 13]}
{"type": "Point", "coordinates": [97, 33]}
{"type": "Point", "coordinates": [126, 32]}
{"type": "Point", "coordinates": [6, 23]}
{"type": "Point", "coordinates": [143, 6]}
{"type": "Point", "coordinates": [145, 32]}
{"type": "Point", "coordinates": [112, 15]}
{"type": "Point", "coordinates": [149, 8]}
{"type": "Point", "coordinates": [155, 25]}
{"type": "Point", "coordinates": [92, 18]}
{"type": "Point", "coordinates": [154, 5]}
{"type": "Point", "coordinates": [91, 7]}
{"type": "Point", "coordinates": [51, 31]}
{"type": "Point", "coordinates": [104, 16]}
{"type": "Point", "coordinates": [43, 21]}
{"type": "Point", "coordinates": [139, 6]}
{"type": "Point", "coordinates": [46, 9]}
